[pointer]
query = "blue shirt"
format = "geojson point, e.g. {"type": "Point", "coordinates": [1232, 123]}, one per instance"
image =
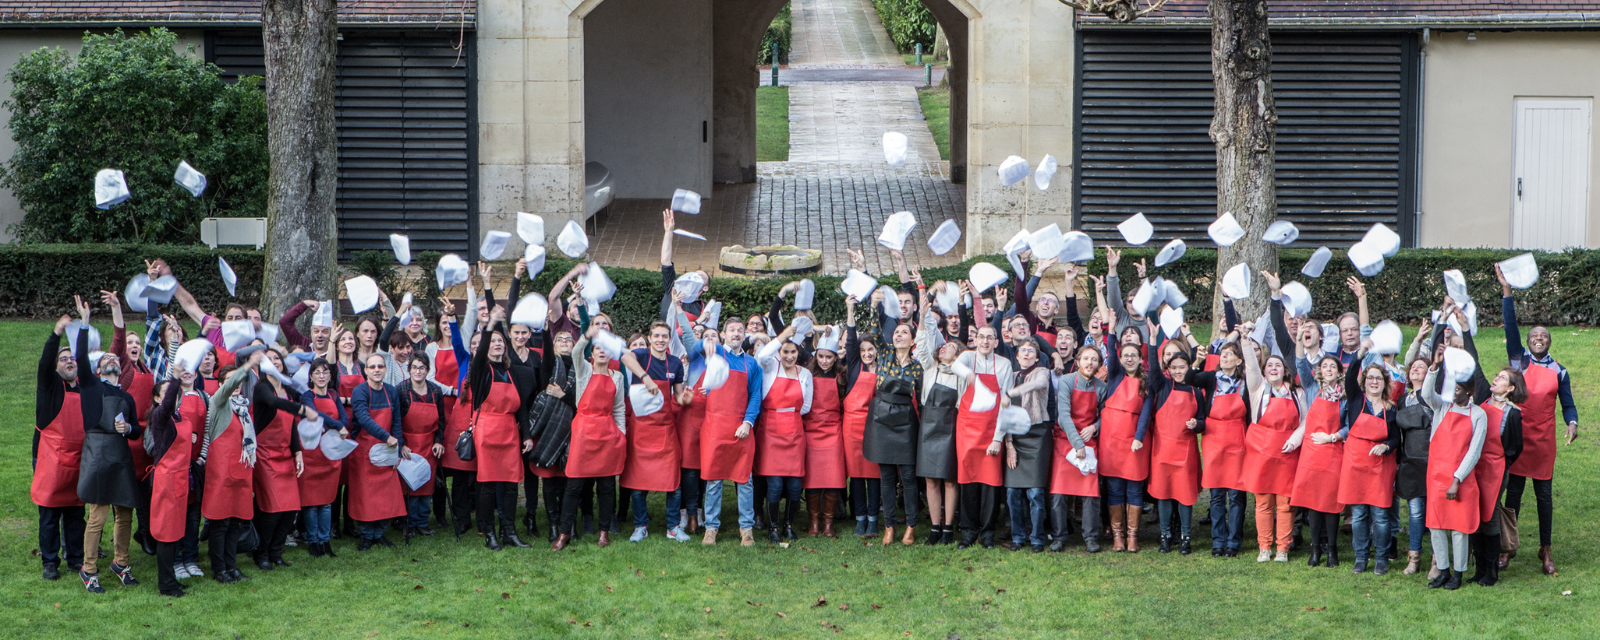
{"type": "Point", "coordinates": [364, 400]}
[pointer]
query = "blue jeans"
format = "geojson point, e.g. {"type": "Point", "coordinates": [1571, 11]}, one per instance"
{"type": "Point", "coordinates": [689, 490]}
{"type": "Point", "coordinates": [779, 487]}
{"type": "Point", "coordinates": [1227, 518]}
{"type": "Point", "coordinates": [1128, 492]}
{"type": "Point", "coordinates": [641, 509]}
{"type": "Point", "coordinates": [419, 508]}
{"type": "Point", "coordinates": [319, 523]}
{"type": "Point", "coordinates": [374, 530]}
{"type": "Point", "coordinates": [1033, 523]}
{"type": "Point", "coordinates": [1164, 510]}
{"type": "Point", "coordinates": [713, 506]}
{"type": "Point", "coordinates": [1418, 508]}
{"type": "Point", "coordinates": [1369, 526]}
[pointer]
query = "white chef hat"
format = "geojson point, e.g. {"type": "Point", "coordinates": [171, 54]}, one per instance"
{"type": "Point", "coordinates": [1172, 295]}
{"type": "Point", "coordinates": [161, 289]}
{"type": "Point", "coordinates": [415, 472]}
{"type": "Point", "coordinates": [1170, 253]}
{"type": "Point", "coordinates": [896, 228]}
{"type": "Point", "coordinates": [829, 340]}
{"type": "Point", "coordinates": [362, 293]}
{"type": "Point", "coordinates": [1281, 232]}
{"type": "Point", "coordinates": [1136, 230]}
{"type": "Point", "coordinates": [610, 343]}
{"type": "Point", "coordinates": [688, 234]}
{"type": "Point", "coordinates": [1148, 297]}
{"type": "Point", "coordinates": [691, 284]}
{"type": "Point", "coordinates": [191, 353]}
{"type": "Point", "coordinates": [1225, 230]}
{"type": "Point", "coordinates": [711, 313]}
{"type": "Point", "coordinates": [1296, 299]}
{"type": "Point", "coordinates": [310, 432]}
{"type": "Point", "coordinates": [1471, 311]}
{"type": "Point", "coordinates": [1046, 171]}
{"type": "Point", "coordinates": [401, 244]}
{"type": "Point", "coordinates": [1458, 367]}
{"type": "Point", "coordinates": [134, 293]}
{"type": "Point", "coordinates": [335, 447]}
{"type": "Point", "coordinates": [94, 361]}
{"type": "Point", "coordinates": [534, 256]}
{"type": "Point", "coordinates": [229, 278]}
{"type": "Point", "coordinates": [452, 270]}
{"type": "Point", "coordinates": [188, 178]}
{"type": "Point", "coordinates": [1386, 338]}
{"type": "Point", "coordinates": [1171, 321]}
{"type": "Point", "coordinates": [1014, 248]}
{"type": "Point", "coordinates": [110, 188]}
{"type": "Point", "coordinates": [891, 302]}
{"type": "Point", "coordinates": [802, 328]}
{"type": "Point", "coordinates": [686, 201]}
{"type": "Point", "coordinates": [1455, 285]}
{"type": "Point", "coordinates": [1076, 246]}
{"type": "Point", "coordinates": [1318, 262]}
{"type": "Point", "coordinates": [1046, 242]}
{"type": "Point", "coordinates": [572, 241]}
{"type": "Point", "coordinates": [1520, 272]}
{"type": "Point", "coordinates": [597, 286]}
{"type": "Point", "coordinates": [532, 310]}
{"type": "Point", "coordinates": [268, 333]}
{"type": "Point", "coordinates": [72, 336]}
{"type": "Point", "coordinates": [1382, 240]}
{"type": "Point", "coordinates": [1012, 170]}
{"type": "Point", "coordinates": [949, 299]}
{"type": "Point", "coordinates": [1236, 282]}
{"type": "Point", "coordinates": [530, 228]}
{"type": "Point", "coordinates": [1013, 421]}
{"type": "Point", "coordinates": [805, 295]}
{"type": "Point", "coordinates": [716, 373]}
{"type": "Point", "coordinates": [860, 285]}
{"type": "Point", "coordinates": [984, 276]}
{"type": "Point", "coordinates": [944, 238]}
{"type": "Point", "coordinates": [494, 245]}
{"type": "Point", "coordinates": [237, 334]}
{"type": "Point", "coordinates": [1367, 260]}
{"type": "Point", "coordinates": [894, 148]}
{"type": "Point", "coordinates": [643, 402]}
{"type": "Point", "coordinates": [324, 314]}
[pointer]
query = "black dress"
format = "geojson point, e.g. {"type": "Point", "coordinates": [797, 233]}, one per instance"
{"type": "Point", "coordinates": [891, 435]}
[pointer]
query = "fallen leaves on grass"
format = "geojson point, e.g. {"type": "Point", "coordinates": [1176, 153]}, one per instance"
{"type": "Point", "coordinates": [417, 588]}
{"type": "Point", "coordinates": [609, 590]}
{"type": "Point", "coordinates": [877, 607]}
{"type": "Point", "coordinates": [821, 600]}
{"type": "Point", "coordinates": [844, 607]}
{"type": "Point", "coordinates": [752, 603]}
{"type": "Point", "coordinates": [781, 615]}
{"type": "Point", "coordinates": [1316, 608]}
{"type": "Point", "coordinates": [505, 596]}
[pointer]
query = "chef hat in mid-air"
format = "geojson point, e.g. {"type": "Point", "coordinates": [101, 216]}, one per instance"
{"type": "Point", "coordinates": [1171, 321]}
{"type": "Point", "coordinates": [1012, 170]}
{"type": "Point", "coordinates": [72, 336]}
{"type": "Point", "coordinates": [1386, 338]}
{"type": "Point", "coordinates": [188, 178]}
{"type": "Point", "coordinates": [1225, 230]}
{"type": "Point", "coordinates": [610, 343]}
{"type": "Point", "coordinates": [597, 286]}
{"type": "Point", "coordinates": [572, 241]}
{"type": "Point", "coordinates": [533, 257]}
{"type": "Point", "coordinates": [1318, 262]}
{"type": "Point", "coordinates": [1014, 248]}
{"type": "Point", "coordinates": [402, 247]}
{"type": "Point", "coordinates": [1383, 240]}
{"type": "Point", "coordinates": [896, 228]}
{"type": "Point", "coordinates": [985, 276]}
{"type": "Point", "coordinates": [452, 270]}
{"type": "Point", "coordinates": [161, 289]}
{"type": "Point", "coordinates": [1236, 282]}
{"type": "Point", "coordinates": [1296, 299]}
{"type": "Point", "coordinates": [1076, 246]}
{"type": "Point", "coordinates": [237, 334]}
{"type": "Point", "coordinates": [1367, 260]}
{"type": "Point", "coordinates": [859, 284]}
{"type": "Point", "coordinates": [1148, 297]}
{"type": "Point", "coordinates": [1172, 295]}
{"type": "Point", "coordinates": [1046, 171]}
{"type": "Point", "coordinates": [532, 310]}
{"type": "Point", "coordinates": [1136, 230]}
{"type": "Point", "coordinates": [894, 148]}
{"type": "Point", "coordinates": [1281, 232]}
{"type": "Point", "coordinates": [191, 353]}
{"type": "Point", "coordinates": [1520, 272]}
{"type": "Point", "coordinates": [362, 293]}
{"type": "Point", "coordinates": [1046, 242]}
{"type": "Point", "coordinates": [944, 238]}
{"type": "Point", "coordinates": [229, 278]}
{"type": "Point", "coordinates": [134, 293]}
{"type": "Point", "coordinates": [1455, 285]}
{"type": "Point", "coordinates": [494, 245]}
{"type": "Point", "coordinates": [110, 188]}
{"type": "Point", "coordinates": [530, 228]}
{"type": "Point", "coordinates": [686, 201]}
{"type": "Point", "coordinates": [805, 295]}
{"type": "Point", "coordinates": [1170, 253]}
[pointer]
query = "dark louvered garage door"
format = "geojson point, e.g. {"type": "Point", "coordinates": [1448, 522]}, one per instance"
{"type": "Point", "coordinates": [407, 147]}
{"type": "Point", "coordinates": [1346, 132]}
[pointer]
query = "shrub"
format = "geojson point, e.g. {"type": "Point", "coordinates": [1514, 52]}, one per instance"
{"type": "Point", "coordinates": [39, 280]}
{"type": "Point", "coordinates": [908, 23]}
{"type": "Point", "coordinates": [131, 103]}
{"type": "Point", "coordinates": [780, 34]}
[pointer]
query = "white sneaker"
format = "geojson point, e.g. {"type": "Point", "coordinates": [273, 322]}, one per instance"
{"type": "Point", "coordinates": [194, 570]}
{"type": "Point", "coordinates": [1264, 556]}
{"type": "Point", "coordinates": [1283, 556]}
{"type": "Point", "coordinates": [180, 572]}
{"type": "Point", "coordinates": [677, 534]}
{"type": "Point", "coordinates": [639, 533]}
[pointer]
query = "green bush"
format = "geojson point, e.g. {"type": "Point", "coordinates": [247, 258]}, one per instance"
{"type": "Point", "coordinates": [39, 280]}
{"type": "Point", "coordinates": [779, 34]}
{"type": "Point", "coordinates": [908, 23]}
{"type": "Point", "coordinates": [134, 103]}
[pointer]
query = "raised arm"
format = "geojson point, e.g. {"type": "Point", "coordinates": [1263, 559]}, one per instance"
{"type": "Point", "coordinates": [1508, 312]}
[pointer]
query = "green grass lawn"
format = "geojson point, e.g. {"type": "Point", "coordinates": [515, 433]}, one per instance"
{"type": "Point", "coordinates": [936, 108]}
{"type": "Point", "coordinates": [441, 587]}
{"type": "Point", "coordinates": [772, 124]}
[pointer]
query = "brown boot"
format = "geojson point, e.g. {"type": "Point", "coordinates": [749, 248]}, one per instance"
{"type": "Point", "coordinates": [1413, 562]}
{"type": "Point", "coordinates": [693, 523]}
{"type": "Point", "coordinates": [561, 542]}
{"type": "Point", "coordinates": [747, 537]}
{"type": "Point", "coordinates": [1118, 517]}
{"type": "Point", "coordinates": [814, 509]}
{"type": "Point", "coordinates": [605, 539]}
{"type": "Point", "coordinates": [910, 537]}
{"type": "Point", "coordinates": [830, 504]}
{"type": "Point", "coordinates": [1133, 528]}
{"type": "Point", "coordinates": [888, 534]}
{"type": "Point", "coordinates": [1544, 558]}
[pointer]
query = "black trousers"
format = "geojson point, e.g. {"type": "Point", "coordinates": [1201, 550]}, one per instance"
{"type": "Point", "coordinates": [223, 543]}
{"type": "Point", "coordinates": [273, 531]}
{"type": "Point", "coordinates": [1541, 495]}
{"type": "Point", "coordinates": [976, 513]}
{"type": "Point", "coordinates": [555, 494]}
{"type": "Point", "coordinates": [463, 494]}
{"type": "Point", "coordinates": [605, 487]}
{"type": "Point", "coordinates": [492, 496]}
{"type": "Point", "coordinates": [905, 476]}
{"type": "Point", "coordinates": [692, 488]}
{"type": "Point", "coordinates": [166, 578]}
{"type": "Point", "coordinates": [141, 510]}
{"type": "Point", "coordinates": [554, 490]}
{"type": "Point", "coordinates": [1324, 527]}
{"type": "Point", "coordinates": [58, 526]}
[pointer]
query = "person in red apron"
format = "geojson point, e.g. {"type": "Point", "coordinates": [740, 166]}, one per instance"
{"type": "Point", "coordinates": [1272, 442]}
{"type": "Point", "coordinates": [1316, 477]}
{"type": "Point", "coordinates": [447, 374]}
{"type": "Point", "coordinates": [1502, 445]}
{"type": "Point", "coordinates": [1549, 384]}
{"type": "Point", "coordinates": [499, 405]}
{"type": "Point", "coordinates": [599, 448]}
{"type": "Point", "coordinates": [1079, 396]}
{"type": "Point", "coordinates": [376, 493]}
{"type": "Point", "coordinates": [726, 450]}
{"type": "Point", "coordinates": [825, 468]}
{"type": "Point", "coordinates": [1124, 461]}
{"type": "Point", "coordinates": [461, 474]}
{"type": "Point", "coordinates": [139, 381]}
{"type": "Point", "coordinates": [940, 399]}
{"type": "Point", "coordinates": [786, 395]}
{"type": "Point", "coordinates": [170, 436]}
{"type": "Point", "coordinates": [193, 409]}
{"type": "Point", "coordinates": [1454, 448]}
{"type": "Point", "coordinates": [1222, 448]}
{"type": "Point", "coordinates": [979, 468]}
{"type": "Point", "coordinates": [422, 424]}
{"type": "Point", "coordinates": [1366, 476]}
{"type": "Point", "coordinates": [1180, 412]}
{"type": "Point", "coordinates": [319, 476]}
{"type": "Point", "coordinates": [57, 449]}
{"type": "Point", "coordinates": [208, 373]}
{"type": "Point", "coordinates": [654, 459]}
{"type": "Point", "coordinates": [278, 463]}
{"type": "Point", "coordinates": [859, 383]}
{"type": "Point", "coordinates": [228, 455]}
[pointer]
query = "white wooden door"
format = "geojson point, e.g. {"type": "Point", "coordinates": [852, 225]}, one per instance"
{"type": "Point", "coordinates": [1550, 196]}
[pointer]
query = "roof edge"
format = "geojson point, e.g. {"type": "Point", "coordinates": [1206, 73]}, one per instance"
{"type": "Point", "coordinates": [1513, 21]}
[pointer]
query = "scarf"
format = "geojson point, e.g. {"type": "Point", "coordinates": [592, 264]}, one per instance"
{"type": "Point", "coordinates": [240, 405]}
{"type": "Point", "coordinates": [1332, 392]}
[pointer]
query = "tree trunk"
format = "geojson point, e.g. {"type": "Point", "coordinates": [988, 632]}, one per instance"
{"type": "Point", "coordinates": [1245, 132]}
{"type": "Point", "coordinates": [301, 42]}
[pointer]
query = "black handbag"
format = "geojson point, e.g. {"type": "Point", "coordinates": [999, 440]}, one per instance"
{"type": "Point", "coordinates": [464, 448]}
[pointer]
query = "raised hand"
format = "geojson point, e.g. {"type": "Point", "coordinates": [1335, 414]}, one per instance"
{"type": "Point", "coordinates": [1273, 282]}
{"type": "Point", "coordinates": [669, 220]}
{"type": "Point", "coordinates": [1113, 258]}
{"type": "Point", "coordinates": [1356, 287]}
{"type": "Point", "coordinates": [1140, 268]}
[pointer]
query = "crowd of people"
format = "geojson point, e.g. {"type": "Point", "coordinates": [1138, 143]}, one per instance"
{"type": "Point", "coordinates": [1000, 410]}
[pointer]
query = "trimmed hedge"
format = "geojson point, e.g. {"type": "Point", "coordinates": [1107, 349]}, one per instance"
{"type": "Point", "coordinates": [38, 281]}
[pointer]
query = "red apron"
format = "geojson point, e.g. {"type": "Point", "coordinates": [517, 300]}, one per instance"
{"type": "Point", "coordinates": [1211, 362]}
{"type": "Point", "coordinates": [1065, 479]}
{"type": "Point", "coordinates": [723, 456]}
{"type": "Point", "coordinates": [1222, 445]}
{"type": "Point", "coordinates": [418, 426]}
{"type": "Point", "coordinates": [456, 422]}
{"type": "Point", "coordinates": [1538, 459]}
{"type": "Point", "coordinates": [277, 490]}
{"type": "Point", "coordinates": [193, 411]}
{"type": "Point", "coordinates": [169, 486]}
{"type": "Point", "coordinates": [348, 383]}
{"type": "Point", "coordinates": [140, 386]}
{"type": "Point", "coordinates": [224, 356]}
{"type": "Point", "coordinates": [447, 373]}
{"type": "Point", "coordinates": [974, 432]}
{"type": "Point", "coordinates": [55, 472]}
{"type": "Point", "coordinates": [1491, 468]}
{"type": "Point", "coordinates": [375, 492]}
{"type": "Point", "coordinates": [1316, 478]}
{"type": "Point", "coordinates": [319, 479]}
{"type": "Point", "coordinates": [653, 460]}
{"type": "Point", "coordinates": [1446, 449]}
{"type": "Point", "coordinates": [598, 448]}
{"type": "Point", "coordinates": [496, 437]}
{"type": "Point", "coordinates": [1119, 422]}
{"type": "Point", "coordinates": [227, 493]}
{"type": "Point", "coordinates": [1397, 391]}
{"type": "Point", "coordinates": [857, 404]}
{"type": "Point", "coordinates": [1267, 469]}
{"type": "Point", "coordinates": [690, 417]}
{"type": "Point", "coordinates": [210, 385]}
{"type": "Point", "coordinates": [824, 437]}
{"type": "Point", "coordinates": [1365, 478]}
{"type": "Point", "coordinates": [781, 438]}
{"type": "Point", "coordinates": [1175, 451]}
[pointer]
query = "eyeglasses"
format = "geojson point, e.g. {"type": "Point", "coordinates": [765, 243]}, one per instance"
{"type": "Point", "coordinates": [64, 358]}
{"type": "Point", "coordinates": [419, 367]}
{"type": "Point", "coordinates": [375, 366]}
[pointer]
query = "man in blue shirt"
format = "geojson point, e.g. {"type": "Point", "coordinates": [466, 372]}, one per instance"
{"type": "Point", "coordinates": [726, 450]}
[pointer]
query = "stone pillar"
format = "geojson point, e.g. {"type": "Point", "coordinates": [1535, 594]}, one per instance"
{"type": "Point", "coordinates": [736, 30]}
{"type": "Point", "coordinates": [954, 28]}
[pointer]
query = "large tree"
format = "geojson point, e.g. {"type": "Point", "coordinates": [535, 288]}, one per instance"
{"type": "Point", "coordinates": [301, 38]}
{"type": "Point", "coordinates": [1245, 130]}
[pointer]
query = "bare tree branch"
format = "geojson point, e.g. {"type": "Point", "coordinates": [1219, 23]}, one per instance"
{"type": "Point", "coordinates": [1119, 10]}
